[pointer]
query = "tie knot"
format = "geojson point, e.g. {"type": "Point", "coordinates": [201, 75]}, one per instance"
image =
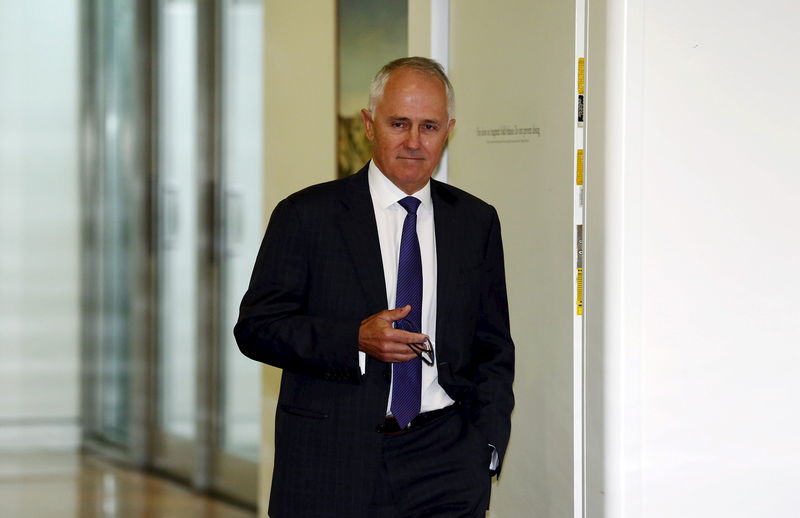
{"type": "Point", "coordinates": [410, 203]}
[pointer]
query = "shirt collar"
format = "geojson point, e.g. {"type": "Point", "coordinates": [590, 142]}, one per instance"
{"type": "Point", "coordinates": [385, 193]}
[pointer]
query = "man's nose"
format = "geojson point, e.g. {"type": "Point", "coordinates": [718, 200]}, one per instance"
{"type": "Point", "coordinates": [412, 138]}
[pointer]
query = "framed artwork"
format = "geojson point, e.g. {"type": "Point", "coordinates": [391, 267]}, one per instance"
{"type": "Point", "coordinates": [370, 34]}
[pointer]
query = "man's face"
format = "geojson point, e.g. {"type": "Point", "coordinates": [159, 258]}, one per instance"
{"type": "Point", "coordinates": [409, 128]}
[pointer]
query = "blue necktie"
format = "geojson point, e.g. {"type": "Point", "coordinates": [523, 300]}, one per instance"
{"type": "Point", "coordinates": [407, 376]}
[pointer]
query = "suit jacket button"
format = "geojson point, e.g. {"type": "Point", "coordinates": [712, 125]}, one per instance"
{"type": "Point", "coordinates": [380, 428]}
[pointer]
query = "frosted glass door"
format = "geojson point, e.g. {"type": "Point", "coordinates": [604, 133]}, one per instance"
{"type": "Point", "coordinates": [242, 144]}
{"type": "Point", "coordinates": [177, 221]}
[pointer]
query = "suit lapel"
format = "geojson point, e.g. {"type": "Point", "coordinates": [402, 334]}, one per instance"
{"type": "Point", "coordinates": [357, 224]}
{"type": "Point", "coordinates": [360, 233]}
{"type": "Point", "coordinates": [447, 261]}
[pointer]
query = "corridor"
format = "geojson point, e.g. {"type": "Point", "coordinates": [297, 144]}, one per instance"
{"type": "Point", "coordinates": [67, 485]}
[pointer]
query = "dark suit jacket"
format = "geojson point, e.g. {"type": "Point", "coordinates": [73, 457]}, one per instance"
{"type": "Point", "coordinates": [318, 274]}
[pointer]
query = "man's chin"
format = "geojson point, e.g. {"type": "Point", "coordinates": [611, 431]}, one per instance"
{"type": "Point", "coordinates": [419, 172]}
{"type": "Point", "coordinates": [412, 167]}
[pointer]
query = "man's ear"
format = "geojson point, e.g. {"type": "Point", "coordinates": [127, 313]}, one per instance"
{"type": "Point", "coordinates": [450, 126]}
{"type": "Point", "coordinates": [366, 118]}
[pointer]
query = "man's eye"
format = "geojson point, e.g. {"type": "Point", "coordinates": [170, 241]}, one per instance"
{"type": "Point", "coordinates": [430, 127]}
{"type": "Point", "coordinates": [398, 124]}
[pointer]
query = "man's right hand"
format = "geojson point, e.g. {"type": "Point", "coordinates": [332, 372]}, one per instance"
{"type": "Point", "coordinates": [379, 339]}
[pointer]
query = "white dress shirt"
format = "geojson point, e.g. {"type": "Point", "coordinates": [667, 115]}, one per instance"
{"type": "Point", "coordinates": [389, 217]}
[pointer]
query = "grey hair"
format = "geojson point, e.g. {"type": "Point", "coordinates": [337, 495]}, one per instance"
{"type": "Point", "coordinates": [420, 64]}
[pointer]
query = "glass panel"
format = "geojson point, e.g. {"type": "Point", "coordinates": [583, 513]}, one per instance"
{"type": "Point", "coordinates": [117, 108]}
{"type": "Point", "coordinates": [178, 217]}
{"type": "Point", "coordinates": [242, 145]}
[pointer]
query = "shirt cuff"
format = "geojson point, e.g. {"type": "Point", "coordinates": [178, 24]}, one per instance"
{"type": "Point", "coordinates": [493, 463]}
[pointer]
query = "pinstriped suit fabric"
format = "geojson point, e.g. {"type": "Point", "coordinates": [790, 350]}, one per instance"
{"type": "Point", "coordinates": [318, 274]}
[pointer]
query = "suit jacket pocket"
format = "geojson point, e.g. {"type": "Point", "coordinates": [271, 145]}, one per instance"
{"type": "Point", "coordinates": [303, 412]}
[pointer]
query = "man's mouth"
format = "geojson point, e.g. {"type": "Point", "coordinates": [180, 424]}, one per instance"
{"type": "Point", "coordinates": [411, 158]}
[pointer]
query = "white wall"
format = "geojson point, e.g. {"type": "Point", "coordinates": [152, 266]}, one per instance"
{"type": "Point", "coordinates": [39, 222]}
{"type": "Point", "coordinates": [300, 85]}
{"type": "Point", "coordinates": [693, 373]}
{"type": "Point", "coordinates": [512, 65]}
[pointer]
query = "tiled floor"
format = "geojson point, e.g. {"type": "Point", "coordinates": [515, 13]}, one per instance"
{"type": "Point", "coordinates": [65, 485]}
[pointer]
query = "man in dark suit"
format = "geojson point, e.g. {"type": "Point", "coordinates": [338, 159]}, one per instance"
{"type": "Point", "coordinates": [382, 297]}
